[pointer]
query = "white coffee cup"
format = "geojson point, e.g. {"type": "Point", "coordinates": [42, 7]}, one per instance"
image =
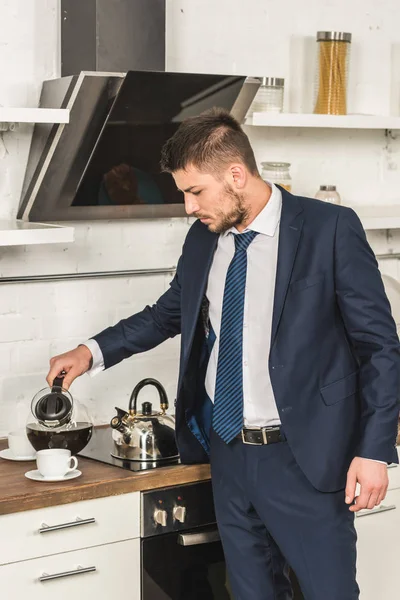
{"type": "Point", "coordinates": [55, 462]}
{"type": "Point", "coordinates": [19, 444]}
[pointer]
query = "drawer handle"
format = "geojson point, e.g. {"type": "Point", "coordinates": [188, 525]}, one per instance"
{"type": "Point", "coordinates": [78, 571]}
{"type": "Point", "coordinates": [392, 466]}
{"type": "Point", "coordinates": [381, 509]}
{"type": "Point", "coordinates": [194, 539]}
{"type": "Point", "coordinates": [46, 528]}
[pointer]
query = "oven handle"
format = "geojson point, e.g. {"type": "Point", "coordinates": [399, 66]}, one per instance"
{"type": "Point", "coordinates": [194, 539]}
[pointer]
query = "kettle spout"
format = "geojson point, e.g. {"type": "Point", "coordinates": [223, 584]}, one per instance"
{"type": "Point", "coordinates": [119, 421]}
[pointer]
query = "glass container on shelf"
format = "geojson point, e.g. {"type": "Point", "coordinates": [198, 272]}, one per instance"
{"type": "Point", "coordinates": [332, 74]}
{"type": "Point", "coordinates": [277, 172]}
{"type": "Point", "coordinates": [328, 193]}
{"type": "Point", "coordinates": [269, 97]}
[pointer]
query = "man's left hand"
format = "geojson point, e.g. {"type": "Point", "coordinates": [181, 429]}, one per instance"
{"type": "Point", "coordinates": [373, 479]}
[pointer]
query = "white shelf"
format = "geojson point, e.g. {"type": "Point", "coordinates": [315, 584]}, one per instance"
{"type": "Point", "coordinates": [323, 121]}
{"type": "Point", "coordinates": [20, 233]}
{"type": "Point", "coordinates": [34, 115]}
{"type": "Point", "coordinates": [379, 217]}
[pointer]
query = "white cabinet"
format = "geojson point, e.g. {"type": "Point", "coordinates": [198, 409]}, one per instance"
{"type": "Point", "coordinates": [66, 551]}
{"type": "Point", "coordinates": [103, 572]}
{"type": "Point", "coordinates": [378, 551]}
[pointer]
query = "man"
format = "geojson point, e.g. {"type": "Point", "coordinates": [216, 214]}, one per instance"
{"type": "Point", "coordinates": [289, 368]}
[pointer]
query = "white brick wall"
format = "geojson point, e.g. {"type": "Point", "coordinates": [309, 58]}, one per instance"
{"type": "Point", "coordinates": [260, 37]}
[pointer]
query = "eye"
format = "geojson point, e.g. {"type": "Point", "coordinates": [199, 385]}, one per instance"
{"type": "Point", "coordinates": [197, 193]}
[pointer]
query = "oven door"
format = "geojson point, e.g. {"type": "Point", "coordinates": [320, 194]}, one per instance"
{"type": "Point", "coordinates": [185, 565]}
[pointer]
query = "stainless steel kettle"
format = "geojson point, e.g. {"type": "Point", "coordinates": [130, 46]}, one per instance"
{"type": "Point", "coordinates": [147, 435]}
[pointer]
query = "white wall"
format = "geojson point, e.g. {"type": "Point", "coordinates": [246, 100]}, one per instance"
{"type": "Point", "coordinates": [259, 37]}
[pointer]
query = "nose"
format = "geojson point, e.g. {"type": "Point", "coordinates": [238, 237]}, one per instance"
{"type": "Point", "coordinates": [191, 205]}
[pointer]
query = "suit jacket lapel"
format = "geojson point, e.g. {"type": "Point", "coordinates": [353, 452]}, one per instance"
{"type": "Point", "coordinates": [201, 264]}
{"type": "Point", "coordinates": [289, 236]}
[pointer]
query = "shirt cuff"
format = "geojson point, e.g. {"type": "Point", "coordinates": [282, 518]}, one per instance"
{"type": "Point", "coordinates": [378, 461]}
{"type": "Point", "coordinates": [98, 359]}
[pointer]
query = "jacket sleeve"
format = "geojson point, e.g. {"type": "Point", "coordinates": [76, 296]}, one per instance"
{"type": "Point", "coordinates": [146, 329]}
{"type": "Point", "coordinates": [371, 329]}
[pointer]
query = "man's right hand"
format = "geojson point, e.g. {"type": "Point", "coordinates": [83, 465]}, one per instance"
{"type": "Point", "coordinates": [73, 363]}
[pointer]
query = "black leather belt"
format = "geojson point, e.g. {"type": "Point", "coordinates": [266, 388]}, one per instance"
{"type": "Point", "coordinates": [261, 436]}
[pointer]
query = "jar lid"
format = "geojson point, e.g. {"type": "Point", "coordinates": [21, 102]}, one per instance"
{"type": "Point", "coordinates": [336, 36]}
{"type": "Point", "coordinates": [275, 165]}
{"type": "Point", "coordinates": [272, 81]}
{"type": "Point", "coordinates": [328, 188]}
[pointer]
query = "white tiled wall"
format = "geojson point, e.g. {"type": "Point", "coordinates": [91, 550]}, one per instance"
{"type": "Point", "coordinates": [259, 37]}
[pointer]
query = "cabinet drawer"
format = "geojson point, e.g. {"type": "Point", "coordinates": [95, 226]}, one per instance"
{"type": "Point", "coordinates": [56, 529]}
{"type": "Point", "coordinates": [377, 555]}
{"type": "Point", "coordinates": [394, 476]}
{"type": "Point", "coordinates": [115, 574]}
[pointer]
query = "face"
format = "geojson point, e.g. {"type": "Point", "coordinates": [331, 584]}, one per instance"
{"type": "Point", "coordinates": [219, 204]}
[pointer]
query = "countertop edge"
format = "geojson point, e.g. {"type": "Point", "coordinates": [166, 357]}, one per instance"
{"type": "Point", "coordinates": [77, 492]}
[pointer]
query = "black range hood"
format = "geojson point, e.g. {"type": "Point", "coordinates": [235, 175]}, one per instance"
{"type": "Point", "coordinates": [104, 164]}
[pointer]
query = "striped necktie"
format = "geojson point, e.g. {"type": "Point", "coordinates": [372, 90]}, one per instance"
{"type": "Point", "coordinates": [228, 398]}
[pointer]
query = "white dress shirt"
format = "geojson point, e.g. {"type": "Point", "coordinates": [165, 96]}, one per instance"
{"type": "Point", "coordinates": [259, 405]}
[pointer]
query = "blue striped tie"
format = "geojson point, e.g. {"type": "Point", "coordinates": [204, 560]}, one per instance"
{"type": "Point", "coordinates": [228, 398]}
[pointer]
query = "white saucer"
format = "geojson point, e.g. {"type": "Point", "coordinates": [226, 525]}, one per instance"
{"type": "Point", "coordinates": [36, 476]}
{"type": "Point", "coordinates": [8, 455]}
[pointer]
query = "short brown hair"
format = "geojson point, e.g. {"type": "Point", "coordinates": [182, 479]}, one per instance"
{"type": "Point", "coordinates": [209, 142]}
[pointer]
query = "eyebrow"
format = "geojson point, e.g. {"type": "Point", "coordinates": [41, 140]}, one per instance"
{"type": "Point", "coordinates": [189, 189]}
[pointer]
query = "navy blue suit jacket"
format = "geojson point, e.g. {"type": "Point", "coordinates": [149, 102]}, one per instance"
{"type": "Point", "coordinates": [334, 360]}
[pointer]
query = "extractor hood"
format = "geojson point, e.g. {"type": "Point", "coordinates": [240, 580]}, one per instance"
{"type": "Point", "coordinates": [104, 164]}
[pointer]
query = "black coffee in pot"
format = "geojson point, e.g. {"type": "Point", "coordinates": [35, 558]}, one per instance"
{"type": "Point", "coordinates": [74, 439]}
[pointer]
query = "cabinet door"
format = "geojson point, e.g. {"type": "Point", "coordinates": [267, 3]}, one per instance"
{"type": "Point", "coordinates": [378, 555]}
{"type": "Point", "coordinates": [103, 573]}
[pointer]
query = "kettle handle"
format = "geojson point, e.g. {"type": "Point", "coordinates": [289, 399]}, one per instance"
{"type": "Point", "coordinates": [142, 384]}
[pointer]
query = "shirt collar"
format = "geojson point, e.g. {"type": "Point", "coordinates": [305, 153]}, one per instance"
{"type": "Point", "coordinates": [266, 222]}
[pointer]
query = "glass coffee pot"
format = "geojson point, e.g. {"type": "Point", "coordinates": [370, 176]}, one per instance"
{"type": "Point", "coordinates": [57, 420]}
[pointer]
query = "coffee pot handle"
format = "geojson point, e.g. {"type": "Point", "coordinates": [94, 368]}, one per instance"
{"type": "Point", "coordinates": [58, 381]}
{"type": "Point", "coordinates": [142, 384]}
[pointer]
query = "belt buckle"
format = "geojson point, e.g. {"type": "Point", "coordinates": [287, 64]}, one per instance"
{"type": "Point", "coordinates": [254, 443]}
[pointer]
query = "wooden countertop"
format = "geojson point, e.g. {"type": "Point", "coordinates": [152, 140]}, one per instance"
{"type": "Point", "coordinates": [17, 493]}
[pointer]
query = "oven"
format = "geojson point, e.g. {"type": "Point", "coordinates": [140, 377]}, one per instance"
{"type": "Point", "coordinates": [181, 551]}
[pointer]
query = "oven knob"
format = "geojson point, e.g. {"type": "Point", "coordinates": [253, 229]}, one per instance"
{"type": "Point", "coordinates": [160, 517]}
{"type": "Point", "coordinates": [180, 513]}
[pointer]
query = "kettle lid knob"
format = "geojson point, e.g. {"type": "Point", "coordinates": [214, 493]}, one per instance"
{"type": "Point", "coordinates": [147, 409]}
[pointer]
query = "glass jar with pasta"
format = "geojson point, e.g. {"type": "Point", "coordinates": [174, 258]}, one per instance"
{"type": "Point", "coordinates": [332, 74]}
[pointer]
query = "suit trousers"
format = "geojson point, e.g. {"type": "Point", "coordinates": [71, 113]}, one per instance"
{"type": "Point", "coordinates": [270, 516]}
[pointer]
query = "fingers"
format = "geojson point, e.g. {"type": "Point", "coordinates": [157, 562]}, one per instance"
{"type": "Point", "coordinates": [369, 498]}
{"type": "Point", "coordinates": [351, 486]}
{"type": "Point", "coordinates": [71, 375]}
{"type": "Point", "coordinates": [361, 501]}
{"type": "Point", "coordinates": [71, 365]}
{"type": "Point", "coordinates": [56, 369]}
{"type": "Point", "coordinates": [381, 496]}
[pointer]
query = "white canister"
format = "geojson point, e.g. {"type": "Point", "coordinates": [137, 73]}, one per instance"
{"type": "Point", "coordinates": [328, 193]}
{"type": "Point", "coordinates": [269, 97]}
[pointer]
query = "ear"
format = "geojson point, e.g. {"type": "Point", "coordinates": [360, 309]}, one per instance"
{"type": "Point", "coordinates": [237, 176]}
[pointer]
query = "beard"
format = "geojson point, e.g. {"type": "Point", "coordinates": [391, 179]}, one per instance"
{"type": "Point", "coordinates": [237, 214]}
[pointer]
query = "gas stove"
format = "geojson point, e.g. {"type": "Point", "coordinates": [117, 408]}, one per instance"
{"type": "Point", "coordinates": [101, 445]}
